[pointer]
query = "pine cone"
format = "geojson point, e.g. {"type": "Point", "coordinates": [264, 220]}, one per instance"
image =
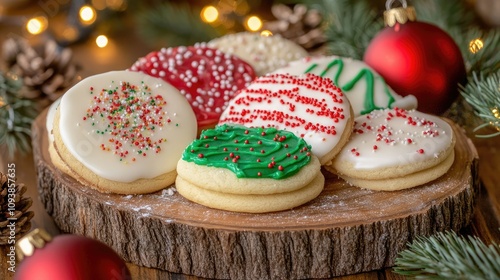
{"type": "Point", "coordinates": [301, 25]}
{"type": "Point", "coordinates": [46, 73]}
{"type": "Point", "coordinates": [18, 215]}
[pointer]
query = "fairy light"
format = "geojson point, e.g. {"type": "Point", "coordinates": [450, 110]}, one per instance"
{"type": "Point", "coordinates": [37, 25]}
{"type": "Point", "coordinates": [496, 112]}
{"type": "Point", "coordinates": [266, 33]}
{"type": "Point", "coordinates": [87, 14]}
{"type": "Point", "coordinates": [475, 45]}
{"type": "Point", "coordinates": [253, 23]}
{"type": "Point", "coordinates": [101, 41]}
{"type": "Point", "coordinates": [209, 14]}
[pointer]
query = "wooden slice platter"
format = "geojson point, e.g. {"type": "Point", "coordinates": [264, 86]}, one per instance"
{"type": "Point", "coordinates": [345, 230]}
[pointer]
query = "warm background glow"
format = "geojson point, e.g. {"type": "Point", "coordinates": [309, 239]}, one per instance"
{"type": "Point", "coordinates": [254, 23]}
{"type": "Point", "coordinates": [266, 33]}
{"type": "Point", "coordinates": [37, 25]}
{"type": "Point", "coordinates": [101, 41]}
{"type": "Point", "coordinates": [209, 14]}
{"type": "Point", "coordinates": [87, 14]}
{"type": "Point", "coordinates": [475, 45]}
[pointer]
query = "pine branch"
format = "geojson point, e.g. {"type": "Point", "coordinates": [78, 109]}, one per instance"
{"type": "Point", "coordinates": [483, 94]}
{"type": "Point", "coordinates": [459, 21]}
{"type": "Point", "coordinates": [453, 17]}
{"type": "Point", "coordinates": [166, 24]}
{"type": "Point", "coordinates": [16, 116]}
{"type": "Point", "coordinates": [350, 27]}
{"type": "Point", "coordinates": [449, 256]}
{"type": "Point", "coordinates": [487, 59]}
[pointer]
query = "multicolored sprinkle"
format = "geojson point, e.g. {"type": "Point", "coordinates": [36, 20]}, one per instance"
{"type": "Point", "coordinates": [130, 114]}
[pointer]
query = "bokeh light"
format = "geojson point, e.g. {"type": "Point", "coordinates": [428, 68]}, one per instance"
{"type": "Point", "coordinates": [101, 41]}
{"type": "Point", "coordinates": [476, 45]}
{"type": "Point", "coordinates": [87, 14]}
{"type": "Point", "coordinates": [37, 25]}
{"type": "Point", "coordinates": [209, 14]}
{"type": "Point", "coordinates": [253, 23]}
{"type": "Point", "coordinates": [266, 33]}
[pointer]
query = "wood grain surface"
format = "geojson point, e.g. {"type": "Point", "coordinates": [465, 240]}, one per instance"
{"type": "Point", "coordinates": [345, 230]}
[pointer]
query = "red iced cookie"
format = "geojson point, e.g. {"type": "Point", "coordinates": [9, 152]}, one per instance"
{"type": "Point", "coordinates": [207, 77]}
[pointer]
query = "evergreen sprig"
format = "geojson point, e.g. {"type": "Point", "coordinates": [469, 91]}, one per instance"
{"type": "Point", "coordinates": [16, 116]}
{"type": "Point", "coordinates": [350, 26]}
{"type": "Point", "coordinates": [167, 24]}
{"type": "Point", "coordinates": [449, 256]}
{"type": "Point", "coordinates": [459, 20]}
{"type": "Point", "coordinates": [483, 94]}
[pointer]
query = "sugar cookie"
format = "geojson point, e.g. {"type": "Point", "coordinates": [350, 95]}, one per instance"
{"type": "Point", "coordinates": [264, 53]}
{"type": "Point", "coordinates": [365, 89]}
{"type": "Point", "coordinates": [207, 77]}
{"type": "Point", "coordinates": [123, 131]}
{"type": "Point", "coordinates": [394, 149]}
{"type": "Point", "coordinates": [252, 170]}
{"type": "Point", "coordinates": [309, 106]}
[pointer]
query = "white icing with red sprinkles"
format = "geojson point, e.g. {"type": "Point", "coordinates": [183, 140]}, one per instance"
{"type": "Point", "coordinates": [309, 106]}
{"type": "Point", "coordinates": [365, 88]}
{"type": "Point", "coordinates": [207, 77]}
{"type": "Point", "coordinates": [125, 125]}
{"type": "Point", "coordinates": [393, 137]}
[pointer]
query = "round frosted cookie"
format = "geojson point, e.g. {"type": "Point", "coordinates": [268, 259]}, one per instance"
{"type": "Point", "coordinates": [123, 131]}
{"type": "Point", "coordinates": [252, 203]}
{"type": "Point", "coordinates": [253, 170]}
{"type": "Point", "coordinates": [310, 106]}
{"type": "Point", "coordinates": [207, 77]}
{"type": "Point", "coordinates": [264, 53]}
{"type": "Point", "coordinates": [404, 182]}
{"type": "Point", "coordinates": [366, 90]}
{"type": "Point", "coordinates": [49, 122]}
{"type": "Point", "coordinates": [393, 149]}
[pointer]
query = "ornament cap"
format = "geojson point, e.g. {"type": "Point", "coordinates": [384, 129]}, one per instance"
{"type": "Point", "coordinates": [399, 15]}
{"type": "Point", "coordinates": [37, 238]}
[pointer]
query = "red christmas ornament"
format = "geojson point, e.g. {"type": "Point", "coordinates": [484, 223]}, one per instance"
{"type": "Point", "coordinates": [417, 58]}
{"type": "Point", "coordinates": [67, 257]}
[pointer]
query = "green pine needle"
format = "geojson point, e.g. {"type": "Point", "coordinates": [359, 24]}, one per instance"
{"type": "Point", "coordinates": [449, 256]}
{"type": "Point", "coordinates": [483, 94]}
{"type": "Point", "coordinates": [350, 26]}
{"type": "Point", "coordinates": [166, 24]}
{"type": "Point", "coordinates": [16, 116]}
{"type": "Point", "coordinates": [487, 59]}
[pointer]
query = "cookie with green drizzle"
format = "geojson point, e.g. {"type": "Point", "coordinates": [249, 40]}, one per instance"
{"type": "Point", "coordinates": [365, 88]}
{"type": "Point", "coordinates": [252, 170]}
{"type": "Point", "coordinates": [309, 106]}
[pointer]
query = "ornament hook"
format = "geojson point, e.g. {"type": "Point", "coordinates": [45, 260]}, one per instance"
{"type": "Point", "coordinates": [389, 3]}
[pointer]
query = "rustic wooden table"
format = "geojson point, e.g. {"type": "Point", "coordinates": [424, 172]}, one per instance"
{"type": "Point", "coordinates": [120, 54]}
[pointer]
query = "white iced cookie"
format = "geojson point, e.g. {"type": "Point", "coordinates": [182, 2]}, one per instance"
{"type": "Point", "coordinates": [51, 113]}
{"type": "Point", "coordinates": [366, 90]}
{"type": "Point", "coordinates": [123, 131]}
{"type": "Point", "coordinates": [309, 106]}
{"type": "Point", "coordinates": [264, 53]}
{"type": "Point", "coordinates": [394, 149]}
